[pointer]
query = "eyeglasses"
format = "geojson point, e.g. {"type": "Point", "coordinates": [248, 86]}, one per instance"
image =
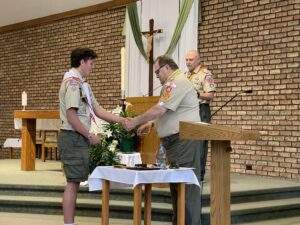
{"type": "Point", "coordinates": [157, 71]}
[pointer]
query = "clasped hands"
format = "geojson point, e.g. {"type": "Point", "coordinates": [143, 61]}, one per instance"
{"type": "Point", "coordinates": [128, 124]}
{"type": "Point", "coordinates": [131, 123]}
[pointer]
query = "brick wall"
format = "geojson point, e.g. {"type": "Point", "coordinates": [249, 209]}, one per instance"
{"type": "Point", "coordinates": [250, 44]}
{"type": "Point", "coordinates": [247, 44]}
{"type": "Point", "coordinates": [35, 60]}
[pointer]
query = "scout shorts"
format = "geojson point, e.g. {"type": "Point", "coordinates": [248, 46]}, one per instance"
{"type": "Point", "coordinates": [74, 150]}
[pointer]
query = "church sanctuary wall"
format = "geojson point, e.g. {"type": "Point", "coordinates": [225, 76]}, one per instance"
{"type": "Point", "coordinates": [251, 44]}
{"type": "Point", "coordinates": [34, 59]}
{"type": "Point", "coordinates": [247, 44]}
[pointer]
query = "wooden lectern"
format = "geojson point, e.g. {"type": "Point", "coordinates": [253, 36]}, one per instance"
{"type": "Point", "coordinates": [28, 133]}
{"type": "Point", "coordinates": [220, 137]}
{"type": "Point", "coordinates": [148, 145]}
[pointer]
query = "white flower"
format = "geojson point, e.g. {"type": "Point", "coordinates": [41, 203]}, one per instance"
{"type": "Point", "coordinates": [117, 110]}
{"type": "Point", "coordinates": [107, 133]}
{"type": "Point", "coordinates": [115, 142]}
{"type": "Point", "coordinates": [112, 146]}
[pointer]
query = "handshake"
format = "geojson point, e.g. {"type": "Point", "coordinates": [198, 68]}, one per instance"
{"type": "Point", "coordinates": [131, 123]}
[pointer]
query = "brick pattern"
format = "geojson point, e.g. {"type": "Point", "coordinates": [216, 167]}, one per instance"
{"type": "Point", "coordinates": [35, 60]}
{"type": "Point", "coordinates": [250, 44]}
{"type": "Point", "coordinates": [245, 43]}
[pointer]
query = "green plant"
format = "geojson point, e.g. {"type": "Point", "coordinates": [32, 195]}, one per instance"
{"type": "Point", "coordinates": [104, 154]}
{"type": "Point", "coordinates": [114, 139]}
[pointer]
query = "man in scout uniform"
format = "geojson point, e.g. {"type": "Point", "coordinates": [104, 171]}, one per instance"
{"type": "Point", "coordinates": [205, 86]}
{"type": "Point", "coordinates": [78, 107]}
{"type": "Point", "coordinates": [178, 102]}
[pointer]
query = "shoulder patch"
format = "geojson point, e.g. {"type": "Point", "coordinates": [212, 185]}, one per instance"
{"type": "Point", "coordinates": [208, 78]}
{"type": "Point", "coordinates": [167, 91]}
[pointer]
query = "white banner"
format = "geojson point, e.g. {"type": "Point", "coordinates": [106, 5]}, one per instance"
{"type": "Point", "coordinates": [165, 14]}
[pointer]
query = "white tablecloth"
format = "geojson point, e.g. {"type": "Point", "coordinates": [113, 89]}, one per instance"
{"type": "Point", "coordinates": [130, 159]}
{"type": "Point", "coordinates": [124, 178]}
{"type": "Point", "coordinates": [12, 143]}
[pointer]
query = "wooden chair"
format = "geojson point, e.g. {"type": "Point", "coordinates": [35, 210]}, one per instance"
{"type": "Point", "coordinates": [38, 144]}
{"type": "Point", "coordinates": [49, 143]}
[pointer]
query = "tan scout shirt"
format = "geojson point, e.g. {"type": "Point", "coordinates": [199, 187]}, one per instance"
{"type": "Point", "coordinates": [180, 99]}
{"type": "Point", "coordinates": [202, 81]}
{"type": "Point", "coordinates": [71, 95]}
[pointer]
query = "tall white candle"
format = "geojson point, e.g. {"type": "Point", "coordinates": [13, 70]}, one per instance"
{"type": "Point", "coordinates": [24, 98]}
{"type": "Point", "coordinates": [123, 94]}
{"type": "Point", "coordinates": [123, 68]}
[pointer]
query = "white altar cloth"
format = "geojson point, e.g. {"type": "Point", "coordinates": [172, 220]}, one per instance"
{"type": "Point", "coordinates": [12, 143]}
{"type": "Point", "coordinates": [124, 178]}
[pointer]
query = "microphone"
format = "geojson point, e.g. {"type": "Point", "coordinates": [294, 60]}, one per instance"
{"type": "Point", "coordinates": [237, 94]}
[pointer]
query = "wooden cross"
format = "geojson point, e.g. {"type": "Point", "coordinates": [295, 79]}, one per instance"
{"type": "Point", "coordinates": [149, 34]}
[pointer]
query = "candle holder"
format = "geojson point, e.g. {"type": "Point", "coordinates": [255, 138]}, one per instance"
{"type": "Point", "coordinates": [123, 105]}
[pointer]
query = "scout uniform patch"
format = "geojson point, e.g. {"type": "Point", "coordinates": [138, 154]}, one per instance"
{"type": "Point", "coordinates": [208, 78]}
{"type": "Point", "coordinates": [202, 81]}
{"type": "Point", "coordinates": [167, 91]}
{"type": "Point", "coordinates": [179, 98]}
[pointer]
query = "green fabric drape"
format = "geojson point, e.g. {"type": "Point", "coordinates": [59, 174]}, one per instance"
{"type": "Point", "coordinates": [135, 27]}
{"type": "Point", "coordinates": [183, 15]}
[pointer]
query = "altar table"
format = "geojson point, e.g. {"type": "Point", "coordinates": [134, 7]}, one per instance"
{"type": "Point", "coordinates": [104, 177]}
{"type": "Point", "coordinates": [28, 131]}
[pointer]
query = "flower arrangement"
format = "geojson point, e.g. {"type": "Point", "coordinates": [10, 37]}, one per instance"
{"type": "Point", "coordinates": [114, 139]}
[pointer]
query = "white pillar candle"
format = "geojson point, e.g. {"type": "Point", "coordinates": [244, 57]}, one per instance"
{"type": "Point", "coordinates": [123, 68]}
{"type": "Point", "coordinates": [123, 94]}
{"type": "Point", "coordinates": [24, 98]}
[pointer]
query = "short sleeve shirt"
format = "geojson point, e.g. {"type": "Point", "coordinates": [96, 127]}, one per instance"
{"type": "Point", "coordinates": [202, 81]}
{"type": "Point", "coordinates": [180, 99]}
{"type": "Point", "coordinates": [71, 95]}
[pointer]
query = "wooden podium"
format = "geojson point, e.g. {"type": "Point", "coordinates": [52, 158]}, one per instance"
{"type": "Point", "coordinates": [220, 137]}
{"type": "Point", "coordinates": [148, 145]}
{"type": "Point", "coordinates": [28, 133]}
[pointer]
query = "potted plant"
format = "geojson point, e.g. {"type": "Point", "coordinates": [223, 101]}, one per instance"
{"type": "Point", "coordinates": [114, 139]}
{"type": "Point", "coordinates": [104, 154]}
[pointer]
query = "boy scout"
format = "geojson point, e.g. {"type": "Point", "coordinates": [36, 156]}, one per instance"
{"type": "Point", "coordinates": [77, 107]}
{"type": "Point", "coordinates": [204, 84]}
{"type": "Point", "coordinates": [178, 102]}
